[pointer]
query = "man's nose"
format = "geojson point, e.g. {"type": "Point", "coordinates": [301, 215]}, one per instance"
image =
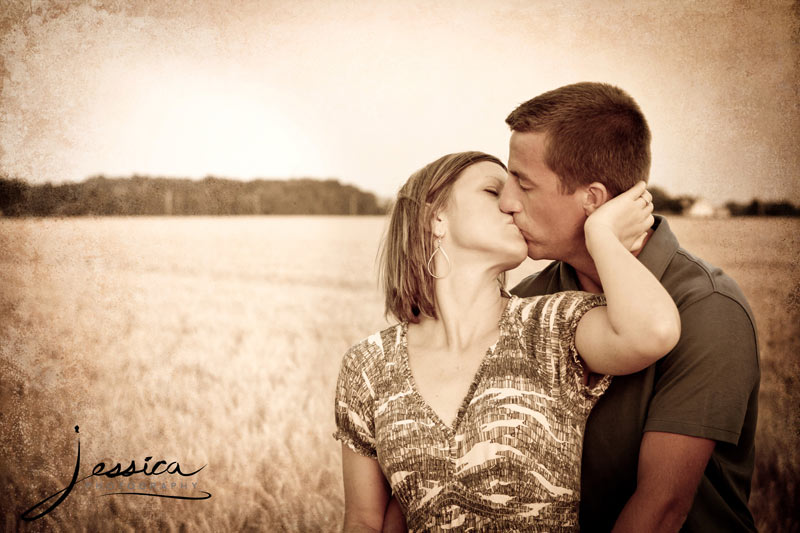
{"type": "Point", "coordinates": [509, 198]}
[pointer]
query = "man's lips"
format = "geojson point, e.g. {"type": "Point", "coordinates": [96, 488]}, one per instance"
{"type": "Point", "coordinates": [524, 235]}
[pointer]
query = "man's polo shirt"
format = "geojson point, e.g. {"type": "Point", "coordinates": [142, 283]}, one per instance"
{"type": "Point", "coordinates": [707, 386]}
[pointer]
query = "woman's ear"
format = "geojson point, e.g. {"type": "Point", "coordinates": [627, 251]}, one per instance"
{"type": "Point", "coordinates": [595, 195]}
{"type": "Point", "coordinates": [438, 223]}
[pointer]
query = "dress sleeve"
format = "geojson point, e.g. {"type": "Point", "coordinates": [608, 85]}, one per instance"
{"type": "Point", "coordinates": [354, 402]}
{"type": "Point", "coordinates": [552, 323]}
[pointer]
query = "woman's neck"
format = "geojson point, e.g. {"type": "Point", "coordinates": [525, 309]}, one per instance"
{"type": "Point", "coordinates": [469, 308]}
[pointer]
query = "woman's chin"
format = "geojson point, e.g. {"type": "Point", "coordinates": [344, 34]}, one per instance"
{"type": "Point", "coordinates": [519, 261]}
{"type": "Point", "coordinates": [522, 252]}
{"type": "Point", "coordinates": [508, 256]}
{"type": "Point", "coordinates": [516, 258]}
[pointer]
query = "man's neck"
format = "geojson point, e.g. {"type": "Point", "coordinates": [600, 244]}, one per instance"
{"type": "Point", "coordinates": [586, 271]}
{"type": "Point", "coordinates": [589, 282]}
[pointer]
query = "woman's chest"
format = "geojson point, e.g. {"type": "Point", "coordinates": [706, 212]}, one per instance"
{"type": "Point", "coordinates": [513, 440]}
{"type": "Point", "coordinates": [444, 382]}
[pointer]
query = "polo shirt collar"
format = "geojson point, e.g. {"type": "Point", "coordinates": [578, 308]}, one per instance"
{"type": "Point", "coordinates": [660, 248]}
{"type": "Point", "coordinates": [656, 255]}
{"type": "Point", "coordinates": [567, 279]}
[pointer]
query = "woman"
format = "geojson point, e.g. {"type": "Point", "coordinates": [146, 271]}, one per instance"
{"type": "Point", "coordinates": [471, 409]}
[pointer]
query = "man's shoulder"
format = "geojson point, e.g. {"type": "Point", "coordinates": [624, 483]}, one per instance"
{"type": "Point", "coordinates": [543, 282]}
{"type": "Point", "coordinates": [716, 320]}
{"type": "Point", "coordinates": [689, 279]}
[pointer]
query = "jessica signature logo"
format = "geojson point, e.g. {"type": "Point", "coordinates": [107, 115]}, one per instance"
{"type": "Point", "coordinates": [159, 468]}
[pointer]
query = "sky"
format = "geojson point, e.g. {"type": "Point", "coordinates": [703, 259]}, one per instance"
{"type": "Point", "coordinates": [368, 92]}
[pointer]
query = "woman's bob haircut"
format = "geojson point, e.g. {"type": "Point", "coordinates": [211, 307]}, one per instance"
{"type": "Point", "coordinates": [409, 243]}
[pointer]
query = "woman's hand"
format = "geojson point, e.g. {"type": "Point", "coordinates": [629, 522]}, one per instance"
{"type": "Point", "coordinates": [628, 216]}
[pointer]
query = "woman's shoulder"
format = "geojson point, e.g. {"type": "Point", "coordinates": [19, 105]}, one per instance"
{"type": "Point", "coordinates": [375, 345]}
{"type": "Point", "coordinates": [366, 360]}
{"type": "Point", "coordinates": [556, 305]}
{"type": "Point", "coordinates": [561, 296]}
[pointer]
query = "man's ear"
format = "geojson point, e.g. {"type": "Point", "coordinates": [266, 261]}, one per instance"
{"type": "Point", "coordinates": [594, 195]}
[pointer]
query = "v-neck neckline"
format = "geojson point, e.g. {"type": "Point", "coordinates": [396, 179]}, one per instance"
{"type": "Point", "coordinates": [488, 354]}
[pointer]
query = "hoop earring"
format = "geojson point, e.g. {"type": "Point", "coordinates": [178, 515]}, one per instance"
{"type": "Point", "coordinates": [439, 249]}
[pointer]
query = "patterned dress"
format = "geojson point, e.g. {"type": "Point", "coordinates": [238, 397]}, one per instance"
{"type": "Point", "coordinates": [511, 461]}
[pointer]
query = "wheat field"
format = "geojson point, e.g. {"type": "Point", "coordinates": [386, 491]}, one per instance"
{"type": "Point", "coordinates": [217, 340]}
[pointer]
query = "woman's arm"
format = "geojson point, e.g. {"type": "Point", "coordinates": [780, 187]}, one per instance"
{"type": "Point", "coordinates": [640, 323]}
{"type": "Point", "coordinates": [366, 493]}
{"type": "Point", "coordinates": [394, 521]}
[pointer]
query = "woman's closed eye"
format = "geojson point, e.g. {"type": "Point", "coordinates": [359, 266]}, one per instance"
{"type": "Point", "coordinates": [493, 192]}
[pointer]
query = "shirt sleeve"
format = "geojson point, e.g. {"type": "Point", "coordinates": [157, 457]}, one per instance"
{"type": "Point", "coordinates": [354, 403]}
{"type": "Point", "coordinates": [703, 386]}
{"type": "Point", "coordinates": [553, 338]}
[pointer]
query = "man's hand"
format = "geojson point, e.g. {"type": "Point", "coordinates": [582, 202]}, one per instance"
{"type": "Point", "coordinates": [670, 468]}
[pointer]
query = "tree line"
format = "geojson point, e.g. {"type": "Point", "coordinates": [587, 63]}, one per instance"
{"type": "Point", "coordinates": [664, 203]}
{"type": "Point", "coordinates": [142, 195]}
{"type": "Point", "coordinates": [139, 195]}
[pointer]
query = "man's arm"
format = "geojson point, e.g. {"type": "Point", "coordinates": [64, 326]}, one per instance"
{"type": "Point", "coordinates": [670, 468]}
{"type": "Point", "coordinates": [701, 397]}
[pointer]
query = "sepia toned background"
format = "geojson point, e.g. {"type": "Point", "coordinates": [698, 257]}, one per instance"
{"type": "Point", "coordinates": [217, 340]}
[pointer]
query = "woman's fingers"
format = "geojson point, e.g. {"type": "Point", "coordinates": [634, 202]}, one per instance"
{"type": "Point", "coordinates": [635, 191]}
{"type": "Point", "coordinates": [643, 220]}
{"type": "Point", "coordinates": [648, 199]}
{"type": "Point", "coordinates": [645, 201]}
{"type": "Point", "coordinates": [629, 215]}
{"type": "Point", "coordinates": [648, 209]}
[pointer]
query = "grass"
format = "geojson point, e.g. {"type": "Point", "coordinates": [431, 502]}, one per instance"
{"type": "Point", "coordinates": [217, 341]}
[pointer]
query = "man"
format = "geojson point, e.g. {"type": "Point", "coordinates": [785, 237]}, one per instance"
{"type": "Point", "coordinates": [671, 447]}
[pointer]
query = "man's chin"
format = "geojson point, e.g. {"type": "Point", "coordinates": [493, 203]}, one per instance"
{"type": "Point", "coordinates": [537, 253]}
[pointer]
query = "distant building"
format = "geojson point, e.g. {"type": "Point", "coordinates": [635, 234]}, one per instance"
{"type": "Point", "coordinates": [702, 208]}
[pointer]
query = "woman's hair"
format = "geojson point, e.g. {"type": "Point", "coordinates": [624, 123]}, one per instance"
{"type": "Point", "coordinates": [408, 243]}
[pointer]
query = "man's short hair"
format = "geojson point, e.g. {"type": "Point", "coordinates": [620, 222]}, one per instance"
{"type": "Point", "coordinates": [593, 132]}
